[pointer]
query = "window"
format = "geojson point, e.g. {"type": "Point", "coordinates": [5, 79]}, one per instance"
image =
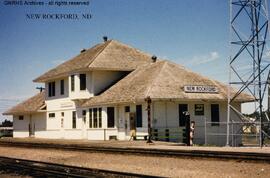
{"type": "Point", "coordinates": [72, 82]}
{"type": "Point", "coordinates": [182, 119]}
{"type": "Point", "coordinates": [95, 118]}
{"type": "Point", "coordinates": [62, 114]}
{"type": "Point", "coordinates": [51, 115]}
{"type": "Point", "coordinates": [127, 109]}
{"type": "Point", "coordinates": [84, 115]}
{"type": "Point", "coordinates": [20, 117]}
{"type": "Point", "coordinates": [90, 118]}
{"type": "Point", "coordinates": [110, 117]}
{"type": "Point", "coordinates": [51, 86]}
{"type": "Point", "coordinates": [84, 112]}
{"type": "Point", "coordinates": [62, 87]}
{"type": "Point", "coordinates": [215, 114]}
{"type": "Point", "coordinates": [82, 81]}
{"type": "Point", "coordinates": [138, 115]}
{"type": "Point", "coordinates": [99, 117]}
{"type": "Point", "coordinates": [74, 119]}
{"type": "Point", "coordinates": [199, 109]}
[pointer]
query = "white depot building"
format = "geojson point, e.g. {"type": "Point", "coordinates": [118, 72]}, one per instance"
{"type": "Point", "coordinates": [101, 94]}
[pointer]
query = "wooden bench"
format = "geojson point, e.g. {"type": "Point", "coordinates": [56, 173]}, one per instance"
{"type": "Point", "coordinates": [140, 136]}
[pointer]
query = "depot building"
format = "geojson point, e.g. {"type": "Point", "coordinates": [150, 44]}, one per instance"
{"type": "Point", "coordinates": [101, 94]}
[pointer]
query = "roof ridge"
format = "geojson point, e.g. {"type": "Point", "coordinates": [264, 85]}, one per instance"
{"type": "Point", "coordinates": [94, 58]}
{"type": "Point", "coordinates": [155, 79]}
{"type": "Point", "coordinates": [132, 47]}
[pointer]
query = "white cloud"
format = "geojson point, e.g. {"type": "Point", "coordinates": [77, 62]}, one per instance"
{"type": "Point", "coordinates": [202, 59]}
{"type": "Point", "coordinates": [267, 55]}
{"type": "Point", "coordinates": [214, 55]}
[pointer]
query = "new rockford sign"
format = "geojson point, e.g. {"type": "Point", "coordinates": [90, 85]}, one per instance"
{"type": "Point", "coordinates": [200, 89]}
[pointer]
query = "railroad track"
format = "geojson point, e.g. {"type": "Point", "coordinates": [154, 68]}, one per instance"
{"type": "Point", "coordinates": [45, 169]}
{"type": "Point", "coordinates": [246, 156]}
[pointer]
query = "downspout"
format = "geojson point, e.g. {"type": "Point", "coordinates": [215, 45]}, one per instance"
{"type": "Point", "coordinates": [148, 100]}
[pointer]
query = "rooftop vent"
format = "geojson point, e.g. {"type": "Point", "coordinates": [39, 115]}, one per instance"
{"type": "Point", "coordinates": [154, 58]}
{"type": "Point", "coordinates": [105, 38]}
{"type": "Point", "coordinates": [83, 50]}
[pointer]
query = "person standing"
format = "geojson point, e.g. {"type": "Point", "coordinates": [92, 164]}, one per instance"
{"type": "Point", "coordinates": [192, 128]}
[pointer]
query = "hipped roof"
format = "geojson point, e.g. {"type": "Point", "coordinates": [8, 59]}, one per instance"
{"type": "Point", "coordinates": [162, 80]}
{"type": "Point", "coordinates": [31, 105]}
{"type": "Point", "coordinates": [110, 55]}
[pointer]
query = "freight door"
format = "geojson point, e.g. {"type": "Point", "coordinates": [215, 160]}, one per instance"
{"type": "Point", "coordinates": [182, 108]}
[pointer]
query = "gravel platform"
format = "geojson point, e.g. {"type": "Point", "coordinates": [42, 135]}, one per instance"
{"type": "Point", "coordinates": [150, 165]}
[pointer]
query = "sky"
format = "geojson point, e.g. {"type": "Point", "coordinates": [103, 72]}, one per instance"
{"type": "Point", "coordinates": [194, 33]}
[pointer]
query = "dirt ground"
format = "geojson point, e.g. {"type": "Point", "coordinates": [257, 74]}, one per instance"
{"type": "Point", "coordinates": [161, 166]}
{"type": "Point", "coordinates": [136, 144]}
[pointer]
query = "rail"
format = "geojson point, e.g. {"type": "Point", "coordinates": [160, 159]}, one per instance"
{"type": "Point", "coordinates": [176, 153]}
{"type": "Point", "coordinates": [46, 169]}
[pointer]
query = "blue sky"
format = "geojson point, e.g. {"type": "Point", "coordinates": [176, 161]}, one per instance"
{"type": "Point", "coordinates": [194, 33]}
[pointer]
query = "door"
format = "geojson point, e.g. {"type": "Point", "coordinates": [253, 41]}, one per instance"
{"type": "Point", "coordinates": [132, 124]}
{"type": "Point", "coordinates": [110, 117]}
{"type": "Point", "coordinates": [126, 124]}
{"type": "Point", "coordinates": [215, 114]}
{"type": "Point", "coordinates": [182, 109]}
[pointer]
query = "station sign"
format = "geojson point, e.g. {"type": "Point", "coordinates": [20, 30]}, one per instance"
{"type": "Point", "coordinates": [200, 89]}
{"type": "Point", "coordinates": [66, 105]}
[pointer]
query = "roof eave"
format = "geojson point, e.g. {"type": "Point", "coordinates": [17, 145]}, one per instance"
{"type": "Point", "coordinates": [20, 113]}
{"type": "Point", "coordinates": [43, 80]}
{"type": "Point", "coordinates": [162, 99]}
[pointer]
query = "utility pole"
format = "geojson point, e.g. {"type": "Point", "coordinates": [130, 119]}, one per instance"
{"type": "Point", "coordinates": [40, 89]}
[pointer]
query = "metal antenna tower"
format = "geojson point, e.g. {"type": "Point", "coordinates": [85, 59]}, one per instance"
{"type": "Point", "coordinates": [248, 65]}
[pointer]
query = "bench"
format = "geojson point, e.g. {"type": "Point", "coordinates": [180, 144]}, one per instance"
{"type": "Point", "coordinates": [140, 136]}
